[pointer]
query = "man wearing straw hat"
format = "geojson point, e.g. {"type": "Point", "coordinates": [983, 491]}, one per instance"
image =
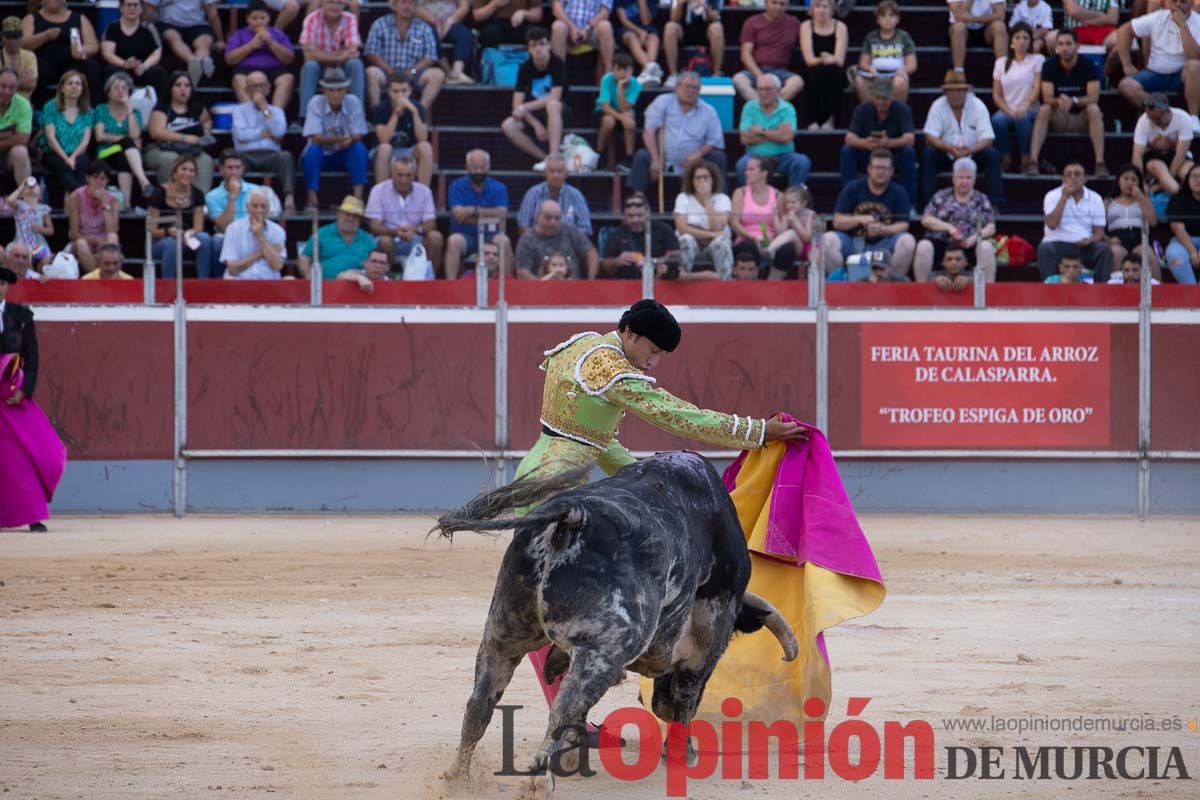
{"type": "Point", "coordinates": [959, 125]}
{"type": "Point", "coordinates": [334, 124]}
{"type": "Point", "coordinates": [342, 244]}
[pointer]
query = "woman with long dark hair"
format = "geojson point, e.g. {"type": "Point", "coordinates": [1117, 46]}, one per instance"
{"type": "Point", "coordinates": [1015, 80]}
{"type": "Point", "coordinates": [1126, 209]}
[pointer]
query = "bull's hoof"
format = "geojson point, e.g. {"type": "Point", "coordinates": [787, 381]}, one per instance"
{"type": "Point", "coordinates": [539, 787]}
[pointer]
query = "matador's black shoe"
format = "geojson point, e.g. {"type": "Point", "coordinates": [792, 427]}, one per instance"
{"type": "Point", "coordinates": [37, 527]}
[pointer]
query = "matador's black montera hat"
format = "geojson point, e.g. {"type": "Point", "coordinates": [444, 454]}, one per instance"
{"type": "Point", "coordinates": [651, 319]}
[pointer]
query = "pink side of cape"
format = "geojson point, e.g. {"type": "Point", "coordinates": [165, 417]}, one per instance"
{"type": "Point", "coordinates": [28, 426]}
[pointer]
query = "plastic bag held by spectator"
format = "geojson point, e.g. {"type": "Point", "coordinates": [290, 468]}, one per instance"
{"type": "Point", "coordinates": [578, 154]}
{"type": "Point", "coordinates": [63, 267]}
{"type": "Point", "coordinates": [417, 266]}
{"type": "Point", "coordinates": [143, 100]}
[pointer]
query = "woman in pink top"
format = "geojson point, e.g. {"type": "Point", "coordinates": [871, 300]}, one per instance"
{"type": "Point", "coordinates": [92, 216]}
{"type": "Point", "coordinates": [753, 220]}
{"type": "Point", "coordinates": [1015, 81]}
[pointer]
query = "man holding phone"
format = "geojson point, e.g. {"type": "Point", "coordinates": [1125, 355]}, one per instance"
{"type": "Point", "coordinates": [883, 122]}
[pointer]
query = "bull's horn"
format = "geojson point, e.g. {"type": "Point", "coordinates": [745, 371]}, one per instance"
{"type": "Point", "coordinates": [776, 624]}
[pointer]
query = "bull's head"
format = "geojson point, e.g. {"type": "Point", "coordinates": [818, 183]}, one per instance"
{"type": "Point", "coordinates": [677, 694]}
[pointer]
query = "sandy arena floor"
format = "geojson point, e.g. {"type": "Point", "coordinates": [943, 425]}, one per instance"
{"type": "Point", "coordinates": [330, 657]}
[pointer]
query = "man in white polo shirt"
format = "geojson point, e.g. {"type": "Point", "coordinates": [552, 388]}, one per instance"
{"type": "Point", "coordinates": [1174, 33]}
{"type": "Point", "coordinates": [1074, 226]}
{"type": "Point", "coordinates": [959, 125]}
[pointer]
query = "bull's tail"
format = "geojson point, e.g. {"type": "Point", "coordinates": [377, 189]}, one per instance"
{"type": "Point", "coordinates": [494, 510]}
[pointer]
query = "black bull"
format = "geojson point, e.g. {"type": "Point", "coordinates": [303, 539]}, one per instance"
{"type": "Point", "coordinates": [644, 571]}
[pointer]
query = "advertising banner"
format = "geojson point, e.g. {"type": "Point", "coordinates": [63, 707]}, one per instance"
{"type": "Point", "coordinates": [986, 385]}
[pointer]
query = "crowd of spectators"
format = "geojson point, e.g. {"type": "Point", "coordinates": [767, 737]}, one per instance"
{"type": "Point", "coordinates": [112, 122]}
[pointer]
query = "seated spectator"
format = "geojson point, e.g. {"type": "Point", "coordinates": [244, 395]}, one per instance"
{"type": "Point", "coordinates": [1070, 270]}
{"type": "Point", "coordinates": [130, 44]}
{"type": "Point", "coordinates": [111, 265]}
{"type": "Point", "coordinates": [582, 22]}
{"type": "Point", "coordinates": [1074, 226]}
{"type": "Point", "coordinates": [1015, 85]}
{"type": "Point", "coordinates": [873, 266]}
{"type": "Point", "coordinates": [1174, 62]}
{"type": "Point", "coordinates": [753, 218]}
{"type": "Point", "coordinates": [401, 43]}
{"type": "Point", "coordinates": [92, 216]}
{"type": "Point", "coordinates": [702, 212]}
{"type": "Point", "coordinates": [400, 130]}
{"type": "Point", "coordinates": [254, 246]}
{"type": "Point", "coordinates": [885, 123]}
{"type": "Point", "coordinates": [1094, 22]}
{"type": "Point", "coordinates": [47, 32]}
{"type": "Point", "coordinates": [489, 261]}
{"type": "Point", "coordinates": [1162, 140]}
{"type": "Point", "coordinates": [794, 224]}
{"type": "Point", "coordinates": [67, 132]}
{"type": "Point", "coordinates": [376, 268]}
{"type": "Point", "coordinates": [16, 124]}
{"type": "Point", "coordinates": [625, 245]}
{"type": "Point", "coordinates": [550, 235]}
{"type": "Point", "coordinates": [330, 38]}
{"type": "Point", "coordinates": [888, 53]}
{"type": "Point", "coordinates": [448, 20]}
{"type": "Point", "coordinates": [871, 212]}
{"type": "Point", "coordinates": [1038, 17]}
{"type": "Point", "coordinates": [766, 47]}
{"type": "Point", "coordinates": [226, 202]}
{"type": "Point", "coordinates": [261, 47]}
{"type": "Point", "coordinates": [505, 21]}
{"type": "Point", "coordinates": [179, 194]}
{"type": "Point", "coordinates": [977, 23]}
{"type": "Point", "coordinates": [959, 126]}
{"type": "Point", "coordinates": [118, 131]}
{"type": "Point", "coordinates": [32, 221]}
{"type": "Point", "coordinates": [180, 125]}
{"type": "Point", "coordinates": [1070, 102]}
{"type": "Point", "coordinates": [573, 208]}
{"type": "Point", "coordinates": [694, 133]}
{"type": "Point", "coordinates": [637, 33]}
{"type": "Point", "coordinates": [954, 275]}
{"type": "Point", "coordinates": [192, 29]}
{"type": "Point", "coordinates": [693, 23]}
{"type": "Point", "coordinates": [20, 59]}
{"type": "Point", "coordinates": [745, 265]}
{"type": "Point", "coordinates": [537, 101]}
{"type": "Point", "coordinates": [1130, 273]}
{"type": "Point", "coordinates": [768, 130]}
{"type": "Point", "coordinates": [473, 198]}
{"type": "Point", "coordinates": [616, 104]}
{"type": "Point", "coordinates": [335, 126]}
{"type": "Point", "coordinates": [258, 130]}
{"type": "Point", "coordinates": [1183, 212]}
{"type": "Point", "coordinates": [823, 42]}
{"type": "Point", "coordinates": [1127, 209]}
{"type": "Point", "coordinates": [402, 215]}
{"type": "Point", "coordinates": [340, 245]}
{"type": "Point", "coordinates": [958, 215]}
{"type": "Point", "coordinates": [17, 259]}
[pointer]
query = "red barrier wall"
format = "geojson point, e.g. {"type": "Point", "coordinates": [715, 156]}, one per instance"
{"type": "Point", "coordinates": [1175, 387]}
{"type": "Point", "coordinates": [302, 385]}
{"type": "Point", "coordinates": [108, 387]}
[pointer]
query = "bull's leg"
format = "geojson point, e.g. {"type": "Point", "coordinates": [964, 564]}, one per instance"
{"type": "Point", "coordinates": [591, 674]}
{"type": "Point", "coordinates": [494, 667]}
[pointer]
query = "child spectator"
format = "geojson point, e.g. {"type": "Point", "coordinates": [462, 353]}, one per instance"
{"type": "Point", "coordinates": [745, 265]}
{"type": "Point", "coordinates": [635, 30]}
{"type": "Point", "coordinates": [887, 52]}
{"type": "Point", "coordinates": [616, 104]}
{"type": "Point", "coordinates": [554, 267]}
{"type": "Point", "coordinates": [794, 220]}
{"type": "Point", "coordinates": [1070, 270]}
{"type": "Point", "coordinates": [1037, 15]}
{"type": "Point", "coordinates": [33, 222]}
{"type": "Point", "coordinates": [261, 47]}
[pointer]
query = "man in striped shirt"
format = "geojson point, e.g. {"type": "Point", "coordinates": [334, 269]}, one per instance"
{"type": "Point", "coordinates": [330, 38]}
